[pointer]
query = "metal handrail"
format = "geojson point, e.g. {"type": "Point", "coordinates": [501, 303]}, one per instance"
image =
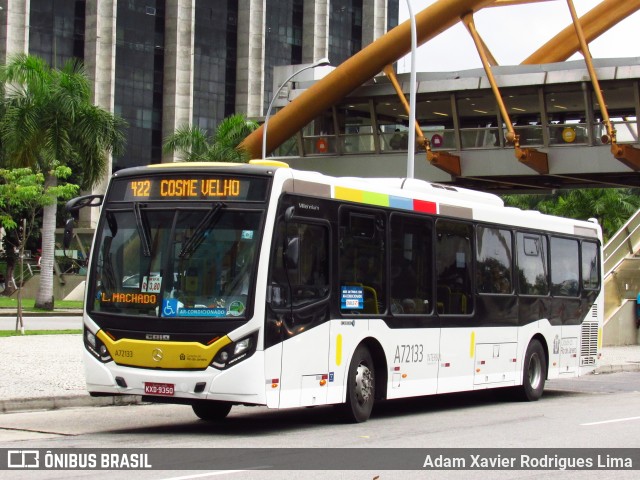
{"type": "Point", "coordinates": [619, 247]}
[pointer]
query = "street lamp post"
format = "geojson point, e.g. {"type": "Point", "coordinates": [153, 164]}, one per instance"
{"type": "Point", "coordinates": [320, 63]}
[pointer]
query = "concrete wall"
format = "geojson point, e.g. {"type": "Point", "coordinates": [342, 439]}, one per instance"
{"type": "Point", "coordinates": [60, 292]}
{"type": "Point", "coordinates": [621, 327]}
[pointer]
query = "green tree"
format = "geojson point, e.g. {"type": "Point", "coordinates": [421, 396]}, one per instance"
{"type": "Point", "coordinates": [193, 144]}
{"type": "Point", "coordinates": [22, 196]}
{"type": "Point", "coordinates": [612, 207]}
{"type": "Point", "coordinates": [49, 121]}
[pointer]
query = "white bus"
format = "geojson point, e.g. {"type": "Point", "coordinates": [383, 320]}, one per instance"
{"type": "Point", "coordinates": [213, 285]}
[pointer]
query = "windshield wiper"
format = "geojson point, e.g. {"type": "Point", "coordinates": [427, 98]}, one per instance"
{"type": "Point", "coordinates": [143, 231]}
{"type": "Point", "coordinates": [199, 233]}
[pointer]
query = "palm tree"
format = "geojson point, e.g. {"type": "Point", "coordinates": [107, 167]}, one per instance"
{"type": "Point", "coordinates": [612, 207]}
{"type": "Point", "coordinates": [194, 144]}
{"type": "Point", "coordinates": [49, 121]}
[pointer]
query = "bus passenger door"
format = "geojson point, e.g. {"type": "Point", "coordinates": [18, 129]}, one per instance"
{"type": "Point", "coordinates": [298, 311]}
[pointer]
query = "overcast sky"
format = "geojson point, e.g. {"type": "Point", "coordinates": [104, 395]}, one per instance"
{"type": "Point", "coordinates": [513, 33]}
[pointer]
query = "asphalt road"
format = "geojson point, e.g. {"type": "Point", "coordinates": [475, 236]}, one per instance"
{"type": "Point", "coordinates": [596, 411]}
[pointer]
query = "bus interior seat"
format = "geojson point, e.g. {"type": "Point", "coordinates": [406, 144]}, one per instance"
{"type": "Point", "coordinates": [443, 294]}
{"type": "Point", "coordinates": [370, 300]}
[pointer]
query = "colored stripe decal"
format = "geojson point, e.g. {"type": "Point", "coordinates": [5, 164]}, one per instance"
{"type": "Point", "coordinates": [342, 193]}
{"type": "Point", "coordinates": [380, 199]}
{"type": "Point", "coordinates": [425, 207]}
{"type": "Point", "coordinates": [399, 202]}
{"type": "Point", "coordinates": [338, 349]}
{"type": "Point", "coordinates": [312, 188]}
{"type": "Point", "coordinates": [472, 345]}
{"type": "Point", "coordinates": [384, 200]}
{"type": "Point", "coordinates": [587, 232]}
{"type": "Point", "coordinates": [454, 211]}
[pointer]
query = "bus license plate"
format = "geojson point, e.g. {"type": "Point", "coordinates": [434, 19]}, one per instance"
{"type": "Point", "coordinates": [164, 389]}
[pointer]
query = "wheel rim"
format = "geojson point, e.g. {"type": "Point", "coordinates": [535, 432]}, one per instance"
{"type": "Point", "coordinates": [535, 371]}
{"type": "Point", "coordinates": [364, 384]}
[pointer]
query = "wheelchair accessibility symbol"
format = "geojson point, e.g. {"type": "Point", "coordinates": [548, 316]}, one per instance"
{"type": "Point", "coordinates": [170, 307]}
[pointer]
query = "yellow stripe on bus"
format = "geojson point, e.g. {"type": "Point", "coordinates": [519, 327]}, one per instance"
{"type": "Point", "coordinates": [338, 349]}
{"type": "Point", "coordinates": [472, 346]}
{"type": "Point", "coordinates": [163, 355]}
{"type": "Point", "coordinates": [350, 194]}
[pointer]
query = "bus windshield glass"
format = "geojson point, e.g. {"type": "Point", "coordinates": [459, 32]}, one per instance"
{"type": "Point", "coordinates": [175, 262]}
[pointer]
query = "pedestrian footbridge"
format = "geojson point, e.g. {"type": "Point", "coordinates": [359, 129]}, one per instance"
{"type": "Point", "coordinates": [552, 109]}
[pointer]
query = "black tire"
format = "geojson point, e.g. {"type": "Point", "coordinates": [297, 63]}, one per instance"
{"type": "Point", "coordinates": [211, 411]}
{"type": "Point", "coordinates": [534, 373]}
{"type": "Point", "coordinates": [361, 387]}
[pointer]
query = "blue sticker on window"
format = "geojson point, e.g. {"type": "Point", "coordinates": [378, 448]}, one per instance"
{"type": "Point", "coordinates": [203, 312]}
{"type": "Point", "coordinates": [170, 307]}
{"type": "Point", "coordinates": [351, 298]}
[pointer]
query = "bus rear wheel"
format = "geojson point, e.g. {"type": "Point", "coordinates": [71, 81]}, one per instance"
{"type": "Point", "coordinates": [211, 411]}
{"type": "Point", "coordinates": [361, 387]}
{"type": "Point", "coordinates": [534, 373]}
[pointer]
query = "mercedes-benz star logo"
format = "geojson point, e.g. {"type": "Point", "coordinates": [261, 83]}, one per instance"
{"type": "Point", "coordinates": [157, 354]}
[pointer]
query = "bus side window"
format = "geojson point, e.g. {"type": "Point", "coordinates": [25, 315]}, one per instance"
{"type": "Point", "coordinates": [307, 280]}
{"type": "Point", "coordinates": [565, 267]}
{"type": "Point", "coordinates": [411, 275]}
{"type": "Point", "coordinates": [362, 258]}
{"type": "Point", "coordinates": [494, 272]}
{"type": "Point", "coordinates": [278, 283]}
{"type": "Point", "coordinates": [532, 264]}
{"type": "Point", "coordinates": [454, 257]}
{"type": "Point", "coordinates": [590, 266]}
{"type": "Point", "coordinates": [311, 277]}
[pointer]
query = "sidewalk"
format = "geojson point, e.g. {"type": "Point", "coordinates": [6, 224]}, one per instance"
{"type": "Point", "coordinates": [619, 359]}
{"type": "Point", "coordinates": [44, 372]}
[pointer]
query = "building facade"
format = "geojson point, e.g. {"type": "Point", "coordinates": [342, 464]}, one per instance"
{"type": "Point", "coordinates": [161, 64]}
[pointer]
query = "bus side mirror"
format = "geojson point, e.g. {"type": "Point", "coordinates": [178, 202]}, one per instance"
{"type": "Point", "coordinates": [68, 233]}
{"type": "Point", "coordinates": [292, 255]}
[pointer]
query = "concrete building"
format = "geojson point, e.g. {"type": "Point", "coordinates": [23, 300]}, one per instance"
{"type": "Point", "coordinates": [165, 63]}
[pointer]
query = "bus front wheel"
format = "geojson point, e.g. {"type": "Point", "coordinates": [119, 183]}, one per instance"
{"type": "Point", "coordinates": [534, 373]}
{"type": "Point", "coordinates": [211, 411]}
{"type": "Point", "coordinates": [360, 387]}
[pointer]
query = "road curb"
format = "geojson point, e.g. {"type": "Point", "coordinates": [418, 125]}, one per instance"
{"type": "Point", "coordinates": [629, 367]}
{"type": "Point", "coordinates": [69, 401]}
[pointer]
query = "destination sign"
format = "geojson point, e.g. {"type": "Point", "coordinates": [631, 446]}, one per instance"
{"type": "Point", "coordinates": [189, 187]}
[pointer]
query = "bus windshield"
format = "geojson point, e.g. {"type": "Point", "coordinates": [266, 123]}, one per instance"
{"type": "Point", "coordinates": [175, 262]}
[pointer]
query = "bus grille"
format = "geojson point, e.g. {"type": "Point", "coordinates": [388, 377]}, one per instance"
{"type": "Point", "coordinates": [589, 340]}
{"type": "Point", "coordinates": [594, 311]}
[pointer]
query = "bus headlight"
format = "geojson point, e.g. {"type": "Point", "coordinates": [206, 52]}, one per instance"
{"type": "Point", "coordinates": [90, 338]}
{"type": "Point", "coordinates": [235, 352]}
{"type": "Point", "coordinates": [242, 346]}
{"type": "Point", "coordinates": [95, 346]}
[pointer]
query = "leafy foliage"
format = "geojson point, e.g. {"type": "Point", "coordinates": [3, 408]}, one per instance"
{"type": "Point", "coordinates": [49, 121]}
{"type": "Point", "coordinates": [23, 194]}
{"type": "Point", "coordinates": [194, 144]}
{"type": "Point", "coordinates": [612, 207]}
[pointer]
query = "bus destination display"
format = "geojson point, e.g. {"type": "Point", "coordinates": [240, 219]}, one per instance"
{"type": "Point", "coordinates": [164, 187]}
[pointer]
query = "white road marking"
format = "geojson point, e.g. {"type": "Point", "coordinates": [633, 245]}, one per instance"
{"type": "Point", "coordinates": [610, 421]}
{"type": "Point", "coordinates": [202, 475]}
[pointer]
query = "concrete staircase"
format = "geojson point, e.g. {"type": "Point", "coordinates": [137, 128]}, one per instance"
{"type": "Point", "coordinates": [622, 284]}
